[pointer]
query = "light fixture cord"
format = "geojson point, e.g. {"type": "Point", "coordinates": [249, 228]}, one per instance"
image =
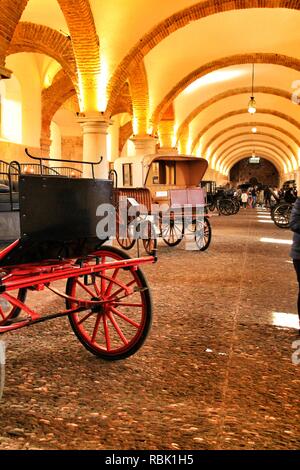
{"type": "Point", "coordinates": [252, 80]}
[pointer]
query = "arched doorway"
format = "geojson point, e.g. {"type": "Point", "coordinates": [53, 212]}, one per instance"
{"type": "Point", "coordinates": [256, 170]}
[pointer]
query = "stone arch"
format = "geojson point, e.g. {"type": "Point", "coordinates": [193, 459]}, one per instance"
{"type": "Point", "coordinates": [273, 112]}
{"type": "Point", "coordinates": [53, 98]}
{"type": "Point", "coordinates": [10, 14]}
{"type": "Point", "coordinates": [179, 20]}
{"type": "Point", "coordinates": [124, 103]}
{"type": "Point", "coordinates": [243, 154]}
{"type": "Point", "coordinates": [247, 143]}
{"type": "Point", "coordinates": [256, 58]}
{"type": "Point", "coordinates": [263, 152]}
{"type": "Point", "coordinates": [86, 47]}
{"type": "Point", "coordinates": [277, 153]}
{"type": "Point", "coordinates": [125, 132]}
{"type": "Point", "coordinates": [227, 94]}
{"type": "Point", "coordinates": [138, 84]}
{"type": "Point", "coordinates": [263, 134]}
{"type": "Point", "coordinates": [30, 37]}
{"type": "Point", "coordinates": [250, 124]}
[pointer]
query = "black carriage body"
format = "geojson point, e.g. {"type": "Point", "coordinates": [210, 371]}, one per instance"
{"type": "Point", "coordinates": [58, 217]}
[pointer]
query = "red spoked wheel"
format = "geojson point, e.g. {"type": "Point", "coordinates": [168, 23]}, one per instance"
{"type": "Point", "coordinates": [116, 328]}
{"type": "Point", "coordinates": [8, 311]}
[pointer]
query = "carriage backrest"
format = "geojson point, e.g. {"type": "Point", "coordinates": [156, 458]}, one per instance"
{"type": "Point", "coordinates": [61, 209]}
{"type": "Point", "coordinates": [196, 196]}
{"type": "Point", "coordinates": [189, 196]}
{"type": "Point", "coordinates": [141, 195]}
{"type": "Point", "coordinates": [178, 197]}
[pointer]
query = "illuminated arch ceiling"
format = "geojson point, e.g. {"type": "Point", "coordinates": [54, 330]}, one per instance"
{"type": "Point", "coordinates": [169, 58]}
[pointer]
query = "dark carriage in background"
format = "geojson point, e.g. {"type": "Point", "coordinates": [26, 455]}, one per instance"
{"type": "Point", "coordinates": [107, 298]}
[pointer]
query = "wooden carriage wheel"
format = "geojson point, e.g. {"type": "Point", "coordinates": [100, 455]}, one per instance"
{"type": "Point", "coordinates": [118, 327]}
{"type": "Point", "coordinates": [172, 229]}
{"type": "Point", "coordinates": [203, 233]}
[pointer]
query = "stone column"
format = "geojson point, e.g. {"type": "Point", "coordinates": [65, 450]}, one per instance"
{"type": "Point", "coordinates": [166, 134]}
{"type": "Point", "coordinates": [45, 144]}
{"type": "Point", "coordinates": [144, 145]}
{"type": "Point", "coordinates": [95, 133]}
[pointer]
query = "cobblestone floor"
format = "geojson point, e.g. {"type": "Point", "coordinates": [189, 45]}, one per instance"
{"type": "Point", "coordinates": [215, 373]}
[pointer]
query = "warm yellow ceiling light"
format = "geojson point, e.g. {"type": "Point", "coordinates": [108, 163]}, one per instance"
{"type": "Point", "coordinates": [213, 77]}
{"type": "Point", "coordinates": [254, 130]}
{"type": "Point", "coordinates": [252, 102]}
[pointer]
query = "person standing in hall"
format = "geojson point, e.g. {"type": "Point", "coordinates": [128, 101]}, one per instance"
{"type": "Point", "coordinates": [244, 199]}
{"type": "Point", "coordinates": [267, 197]}
{"type": "Point", "coordinates": [254, 197]}
{"type": "Point", "coordinates": [261, 198]}
{"type": "Point", "coordinates": [295, 251]}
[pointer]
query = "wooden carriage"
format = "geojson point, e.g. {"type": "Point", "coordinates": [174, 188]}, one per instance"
{"type": "Point", "coordinates": [106, 295]}
{"type": "Point", "coordinates": [173, 182]}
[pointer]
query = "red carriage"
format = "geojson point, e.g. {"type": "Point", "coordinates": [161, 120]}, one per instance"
{"type": "Point", "coordinates": [107, 298]}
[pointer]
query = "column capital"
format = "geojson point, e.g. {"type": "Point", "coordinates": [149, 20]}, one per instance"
{"type": "Point", "coordinates": [93, 122]}
{"type": "Point", "coordinates": [5, 73]}
{"type": "Point", "coordinates": [144, 144]}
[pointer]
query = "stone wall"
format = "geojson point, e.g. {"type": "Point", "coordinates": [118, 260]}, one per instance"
{"type": "Point", "coordinates": [10, 151]}
{"type": "Point", "coordinates": [72, 149]}
{"type": "Point", "coordinates": [265, 172]}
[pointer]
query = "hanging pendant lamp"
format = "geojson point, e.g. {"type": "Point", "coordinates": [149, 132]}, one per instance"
{"type": "Point", "coordinates": [252, 102]}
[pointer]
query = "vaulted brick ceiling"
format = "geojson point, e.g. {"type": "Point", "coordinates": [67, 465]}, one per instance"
{"type": "Point", "coordinates": [161, 48]}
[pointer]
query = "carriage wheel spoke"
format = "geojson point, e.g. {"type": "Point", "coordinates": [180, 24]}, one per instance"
{"type": "Point", "coordinates": [111, 282]}
{"type": "Point", "coordinates": [114, 294]}
{"type": "Point", "coordinates": [166, 230]}
{"type": "Point", "coordinates": [2, 314]}
{"type": "Point", "coordinates": [125, 318]}
{"type": "Point", "coordinates": [96, 328]}
{"type": "Point", "coordinates": [97, 290]}
{"type": "Point", "coordinates": [103, 281]}
{"type": "Point", "coordinates": [127, 304]}
{"type": "Point", "coordinates": [92, 294]}
{"type": "Point", "coordinates": [117, 328]}
{"type": "Point", "coordinates": [88, 315]}
{"type": "Point", "coordinates": [106, 333]}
